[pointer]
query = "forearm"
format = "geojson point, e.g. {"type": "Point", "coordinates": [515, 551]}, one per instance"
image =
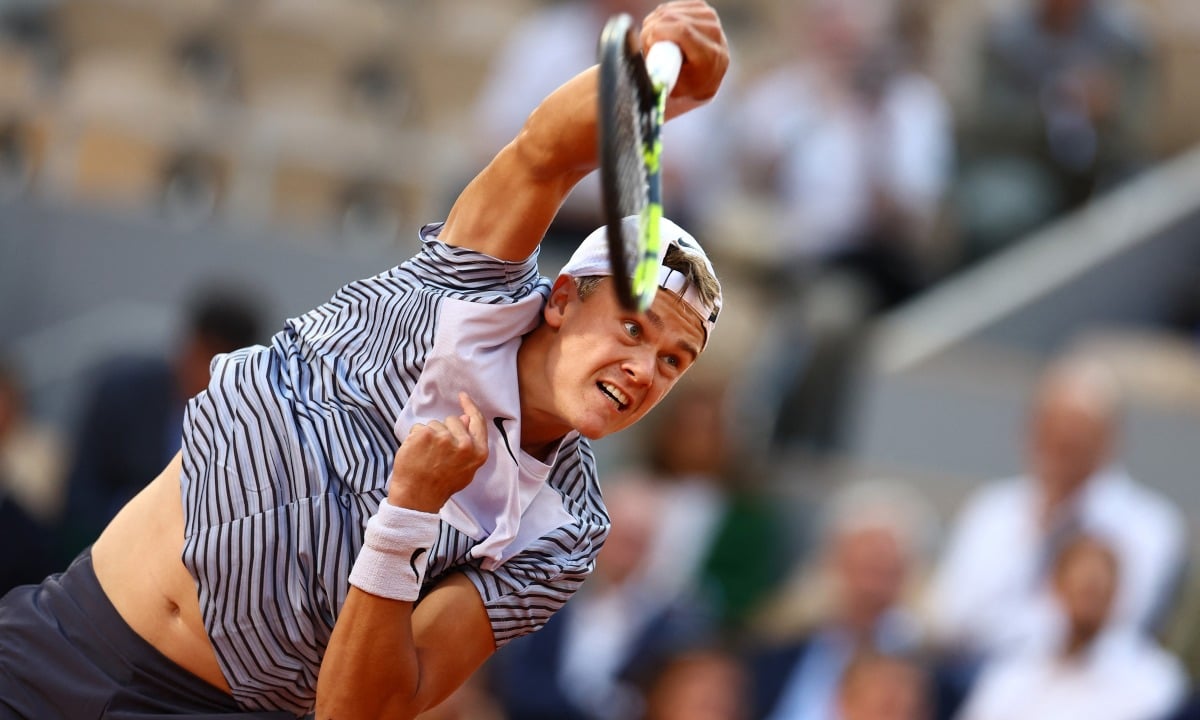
{"type": "Point", "coordinates": [389, 659]}
{"type": "Point", "coordinates": [558, 143]}
{"type": "Point", "coordinates": [371, 668]}
{"type": "Point", "coordinates": [506, 209]}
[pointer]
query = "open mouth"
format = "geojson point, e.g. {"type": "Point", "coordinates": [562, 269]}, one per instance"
{"type": "Point", "coordinates": [620, 399]}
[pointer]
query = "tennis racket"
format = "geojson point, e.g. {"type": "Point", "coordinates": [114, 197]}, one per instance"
{"type": "Point", "coordinates": [632, 107]}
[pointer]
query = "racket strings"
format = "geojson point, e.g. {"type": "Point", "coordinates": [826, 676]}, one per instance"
{"type": "Point", "coordinates": [631, 180]}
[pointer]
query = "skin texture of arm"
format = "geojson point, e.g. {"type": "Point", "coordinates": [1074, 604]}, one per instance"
{"type": "Point", "coordinates": [505, 211]}
{"type": "Point", "coordinates": [433, 647]}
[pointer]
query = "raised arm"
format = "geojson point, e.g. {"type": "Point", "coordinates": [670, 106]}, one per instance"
{"type": "Point", "coordinates": [507, 208]}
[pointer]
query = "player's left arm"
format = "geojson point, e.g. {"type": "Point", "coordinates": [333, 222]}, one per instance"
{"type": "Point", "coordinates": [394, 660]}
{"type": "Point", "coordinates": [505, 211]}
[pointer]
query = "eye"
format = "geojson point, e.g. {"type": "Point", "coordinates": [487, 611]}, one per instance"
{"type": "Point", "coordinates": [672, 360]}
{"type": "Point", "coordinates": [634, 330]}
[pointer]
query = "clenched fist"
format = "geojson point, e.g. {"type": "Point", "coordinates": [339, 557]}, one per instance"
{"type": "Point", "coordinates": [438, 459]}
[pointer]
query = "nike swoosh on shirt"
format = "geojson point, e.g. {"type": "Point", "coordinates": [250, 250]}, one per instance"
{"type": "Point", "coordinates": [504, 434]}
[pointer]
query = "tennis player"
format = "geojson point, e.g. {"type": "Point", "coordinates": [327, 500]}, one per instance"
{"type": "Point", "coordinates": [363, 511]}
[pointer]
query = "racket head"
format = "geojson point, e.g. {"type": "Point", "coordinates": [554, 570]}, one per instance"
{"type": "Point", "coordinates": [628, 119]}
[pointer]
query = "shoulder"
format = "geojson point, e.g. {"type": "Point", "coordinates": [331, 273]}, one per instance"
{"type": "Point", "coordinates": [1120, 27]}
{"type": "Point", "coordinates": [998, 498]}
{"type": "Point", "coordinates": [913, 92]}
{"type": "Point", "coordinates": [996, 509]}
{"type": "Point", "coordinates": [470, 273]}
{"type": "Point", "coordinates": [1003, 684]}
{"type": "Point", "coordinates": [1143, 665]}
{"type": "Point", "coordinates": [1124, 497]}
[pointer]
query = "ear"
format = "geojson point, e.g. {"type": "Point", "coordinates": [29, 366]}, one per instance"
{"type": "Point", "coordinates": [561, 295]}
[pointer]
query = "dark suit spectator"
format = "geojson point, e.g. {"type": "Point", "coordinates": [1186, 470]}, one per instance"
{"type": "Point", "coordinates": [28, 484]}
{"type": "Point", "coordinates": [873, 540]}
{"type": "Point", "coordinates": [131, 423]}
{"type": "Point", "coordinates": [32, 456]}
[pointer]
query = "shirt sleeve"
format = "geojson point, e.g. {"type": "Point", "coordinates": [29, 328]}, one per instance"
{"type": "Point", "coordinates": [522, 594]}
{"type": "Point", "coordinates": [468, 274]}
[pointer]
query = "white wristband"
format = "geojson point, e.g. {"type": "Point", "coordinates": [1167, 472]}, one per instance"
{"type": "Point", "coordinates": [395, 551]}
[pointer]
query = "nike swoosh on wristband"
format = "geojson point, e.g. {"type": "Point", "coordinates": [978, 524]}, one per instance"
{"type": "Point", "coordinates": [499, 421]}
{"type": "Point", "coordinates": [412, 561]}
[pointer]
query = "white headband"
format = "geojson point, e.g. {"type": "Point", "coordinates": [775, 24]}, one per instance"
{"type": "Point", "coordinates": [591, 258]}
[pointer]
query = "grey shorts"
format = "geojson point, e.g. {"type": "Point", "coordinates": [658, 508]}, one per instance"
{"type": "Point", "coordinates": [66, 653]}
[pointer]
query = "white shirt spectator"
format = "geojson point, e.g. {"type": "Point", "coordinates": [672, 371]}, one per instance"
{"type": "Point", "coordinates": [1122, 676]}
{"type": "Point", "coordinates": [991, 590]}
{"type": "Point", "coordinates": [832, 154]}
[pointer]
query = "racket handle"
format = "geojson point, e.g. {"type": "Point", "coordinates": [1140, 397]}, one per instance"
{"type": "Point", "coordinates": [662, 64]}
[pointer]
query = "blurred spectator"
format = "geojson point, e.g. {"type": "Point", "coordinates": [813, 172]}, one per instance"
{"type": "Point", "coordinates": [1061, 113]}
{"type": "Point", "coordinates": [29, 488]}
{"type": "Point", "coordinates": [31, 455]}
{"type": "Point", "coordinates": [851, 143]}
{"type": "Point", "coordinates": [1185, 310]}
{"type": "Point", "coordinates": [701, 684]}
{"type": "Point", "coordinates": [553, 43]}
{"type": "Point", "coordinates": [883, 687]}
{"type": "Point", "coordinates": [992, 589]}
{"type": "Point", "coordinates": [131, 424]}
{"type": "Point", "coordinates": [844, 153]}
{"type": "Point", "coordinates": [875, 533]}
{"type": "Point", "coordinates": [586, 662]}
{"type": "Point", "coordinates": [28, 554]}
{"type": "Point", "coordinates": [799, 392]}
{"type": "Point", "coordinates": [1084, 667]}
{"type": "Point", "coordinates": [550, 45]}
{"type": "Point", "coordinates": [716, 536]}
{"type": "Point", "coordinates": [1190, 710]}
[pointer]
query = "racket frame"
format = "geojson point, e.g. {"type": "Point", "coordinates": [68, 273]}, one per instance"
{"type": "Point", "coordinates": [635, 270]}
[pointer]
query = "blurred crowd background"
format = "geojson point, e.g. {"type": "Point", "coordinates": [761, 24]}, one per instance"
{"type": "Point", "coordinates": [942, 459]}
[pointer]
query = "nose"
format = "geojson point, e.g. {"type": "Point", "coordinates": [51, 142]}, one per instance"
{"type": "Point", "coordinates": [640, 366]}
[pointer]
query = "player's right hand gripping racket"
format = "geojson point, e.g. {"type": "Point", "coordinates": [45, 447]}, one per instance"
{"type": "Point", "coordinates": [632, 108]}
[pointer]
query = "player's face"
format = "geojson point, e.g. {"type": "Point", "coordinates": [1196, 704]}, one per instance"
{"type": "Point", "coordinates": [609, 366]}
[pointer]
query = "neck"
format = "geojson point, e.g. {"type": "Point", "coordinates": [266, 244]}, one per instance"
{"type": "Point", "coordinates": [860, 623]}
{"type": "Point", "coordinates": [1079, 639]}
{"type": "Point", "coordinates": [1060, 21]}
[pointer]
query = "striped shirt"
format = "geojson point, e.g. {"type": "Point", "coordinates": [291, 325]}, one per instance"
{"type": "Point", "coordinates": [287, 454]}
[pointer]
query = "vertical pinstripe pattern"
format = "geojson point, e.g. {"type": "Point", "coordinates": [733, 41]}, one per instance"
{"type": "Point", "coordinates": [287, 455]}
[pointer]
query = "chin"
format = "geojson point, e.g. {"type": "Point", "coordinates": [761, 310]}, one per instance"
{"type": "Point", "coordinates": [595, 431]}
{"type": "Point", "coordinates": [599, 429]}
